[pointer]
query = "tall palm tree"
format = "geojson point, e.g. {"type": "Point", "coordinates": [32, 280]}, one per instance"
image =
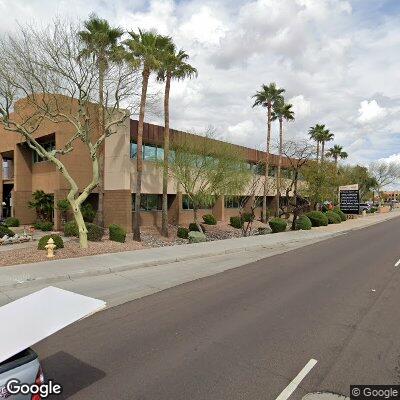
{"type": "Point", "coordinates": [266, 97]}
{"type": "Point", "coordinates": [326, 136]}
{"type": "Point", "coordinates": [174, 66]}
{"type": "Point", "coordinates": [101, 41]}
{"type": "Point", "coordinates": [281, 111]}
{"type": "Point", "coordinates": [336, 152]}
{"type": "Point", "coordinates": [316, 133]}
{"type": "Point", "coordinates": [148, 47]}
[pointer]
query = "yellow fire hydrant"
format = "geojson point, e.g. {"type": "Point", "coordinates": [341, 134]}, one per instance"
{"type": "Point", "coordinates": [50, 247]}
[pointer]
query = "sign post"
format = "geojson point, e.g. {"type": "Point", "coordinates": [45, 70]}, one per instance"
{"type": "Point", "coordinates": [349, 197]}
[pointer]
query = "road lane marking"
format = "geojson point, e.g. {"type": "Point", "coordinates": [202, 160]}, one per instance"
{"type": "Point", "coordinates": [397, 263]}
{"type": "Point", "coordinates": [289, 389]}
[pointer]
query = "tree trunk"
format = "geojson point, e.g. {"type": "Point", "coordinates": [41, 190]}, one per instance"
{"type": "Point", "coordinates": [278, 175]}
{"type": "Point", "coordinates": [100, 187]}
{"type": "Point", "coordinates": [139, 160]}
{"type": "Point", "coordinates": [264, 205]}
{"type": "Point", "coordinates": [164, 228]}
{"type": "Point", "coordinates": [196, 219]}
{"type": "Point", "coordinates": [317, 151]}
{"type": "Point", "coordinates": [76, 209]}
{"type": "Point", "coordinates": [322, 151]}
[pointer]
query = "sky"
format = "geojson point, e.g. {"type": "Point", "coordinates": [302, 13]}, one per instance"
{"type": "Point", "coordinates": [338, 61]}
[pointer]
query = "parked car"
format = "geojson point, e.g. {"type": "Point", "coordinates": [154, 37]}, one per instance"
{"type": "Point", "coordinates": [25, 367]}
{"type": "Point", "coordinates": [365, 207]}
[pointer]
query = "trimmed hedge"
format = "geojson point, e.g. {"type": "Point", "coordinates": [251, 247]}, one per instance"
{"type": "Point", "coordinates": [317, 218]}
{"type": "Point", "coordinates": [71, 229]}
{"type": "Point", "coordinates": [117, 233]}
{"type": "Point", "coordinates": [11, 222]}
{"type": "Point", "coordinates": [333, 217]}
{"type": "Point", "coordinates": [194, 228]}
{"type": "Point", "coordinates": [341, 214]}
{"type": "Point", "coordinates": [303, 223]}
{"type": "Point", "coordinates": [209, 219]}
{"type": "Point", "coordinates": [57, 241]}
{"type": "Point", "coordinates": [277, 225]}
{"type": "Point", "coordinates": [236, 222]}
{"type": "Point", "coordinates": [182, 232]}
{"type": "Point", "coordinates": [95, 232]}
{"type": "Point", "coordinates": [5, 230]}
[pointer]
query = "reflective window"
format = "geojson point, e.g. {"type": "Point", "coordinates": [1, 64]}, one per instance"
{"type": "Point", "coordinates": [148, 202]}
{"type": "Point", "coordinates": [149, 153]}
{"type": "Point", "coordinates": [233, 201]}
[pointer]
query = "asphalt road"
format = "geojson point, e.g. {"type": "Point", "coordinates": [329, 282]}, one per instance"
{"type": "Point", "coordinates": [246, 333]}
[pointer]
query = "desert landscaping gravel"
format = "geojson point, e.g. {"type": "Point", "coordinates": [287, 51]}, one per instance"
{"type": "Point", "coordinates": [151, 237]}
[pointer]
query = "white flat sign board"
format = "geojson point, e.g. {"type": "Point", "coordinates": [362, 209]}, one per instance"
{"type": "Point", "coordinates": [33, 318]}
{"type": "Point", "coordinates": [349, 187]}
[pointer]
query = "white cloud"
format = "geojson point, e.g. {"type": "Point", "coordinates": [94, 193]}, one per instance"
{"type": "Point", "coordinates": [327, 58]}
{"type": "Point", "coordinates": [370, 111]}
{"type": "Point", "coordinates": [392, 158]}
{"type": "Point", "coordinates": [301, 106]}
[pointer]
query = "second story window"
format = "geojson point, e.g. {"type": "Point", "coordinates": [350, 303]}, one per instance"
{"type": "Point", "coordinates": [151, 152]}
{"type": "Point", "coordinates": [48, 146]}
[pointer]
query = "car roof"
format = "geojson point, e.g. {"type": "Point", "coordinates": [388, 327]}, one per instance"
{"type": "Point", "coordinates": [32, 318]}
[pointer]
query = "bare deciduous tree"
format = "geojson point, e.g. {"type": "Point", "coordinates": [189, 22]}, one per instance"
{"type": "Point", "coordinates": [298, 153]}
{"type": "Point", "coordinates": [206, 169]}
{"type": "Point", "coordinates": [385, 173]}
{"type": "Point", "coordinates": [43, 80]}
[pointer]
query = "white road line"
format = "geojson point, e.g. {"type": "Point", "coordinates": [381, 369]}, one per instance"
{"type": "Point", "coordinates": [296, 381]}
{"type": "Point", "coordinates": [397, 263]}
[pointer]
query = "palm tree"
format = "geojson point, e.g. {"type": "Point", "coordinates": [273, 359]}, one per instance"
{"type": "Point", "coordinates": [336, 152]}
{"type": "Point", "coordinates": [266, 97]}
{"type": "Point", "coordinates": [100, 40]}
{"type": "Point", "coordinates": [281, 111]}
{"type": "Point", "coordinates": [326, 136]}
{"type": "Point", "coordinates": [316, 133]}
{"type": "Point", "coordinates": [148, 47]}
{"type": "Point", "coordinates": [174, 66]}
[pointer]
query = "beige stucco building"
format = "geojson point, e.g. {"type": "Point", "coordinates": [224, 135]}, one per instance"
{"type": "Point", "coordinates": [24, 172]}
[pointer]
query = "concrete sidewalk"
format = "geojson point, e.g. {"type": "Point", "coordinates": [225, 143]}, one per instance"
{"type": "Point", "coordinates": [16, 276]}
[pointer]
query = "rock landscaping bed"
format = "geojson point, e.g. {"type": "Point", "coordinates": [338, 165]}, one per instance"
{"type": "Point", "coordinates": [151, 237]}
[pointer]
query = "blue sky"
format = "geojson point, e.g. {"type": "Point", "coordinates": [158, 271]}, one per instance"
{"type": "Point", "coordinates": [337, 59]}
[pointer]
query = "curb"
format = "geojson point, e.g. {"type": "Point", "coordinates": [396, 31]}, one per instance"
{"type": "Point", "coordinates": [170, 260]}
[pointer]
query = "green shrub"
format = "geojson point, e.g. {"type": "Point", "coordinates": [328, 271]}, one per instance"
{"type": "Point", "coordinates": [277, 225]}
{"type": "Point", "coordinates": [5, 230]}
{"type": "Point", "coordinates": [303, 223]}
{"type": "Point", "coordinates": [196, 237]}
{"type": "Point", "coordinates": [236, 222]}
{"type": "Point", "coordinates": [95, 232]}
{"type": "Point", "coordinates": [317, 218]}
{"type": "Point", "coordinates": [88, 212]}
{"type": "Point", "coordinates": [373, 209]}
{"type": "Point", "coordinates": [37, 225]}
{"type": "Point", "coordinates": [248, 217]}
{"type": "Point", "coordinates": [71, 229]}
{"type": "Point", "coordinates": [11, 222]}
{"type": "Point", "coordinates": [46, 226]}
{"type": "Point", "coordinates": [333, 217]}
{"type": "Point", "coordinates": [341, 214]}
{"type": "Point", "coordinates": [63, 205]}
{"type": "Point", "coordinates": [57, 241]}
{"type": "Point", "coordinates": [194, 228]}
{"type": "Point", "coordinates": [182, 232]}
{"type": "Point", "coordinates": [117, 234]}
{"type": "Point", "coordinates": [209, 219]}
